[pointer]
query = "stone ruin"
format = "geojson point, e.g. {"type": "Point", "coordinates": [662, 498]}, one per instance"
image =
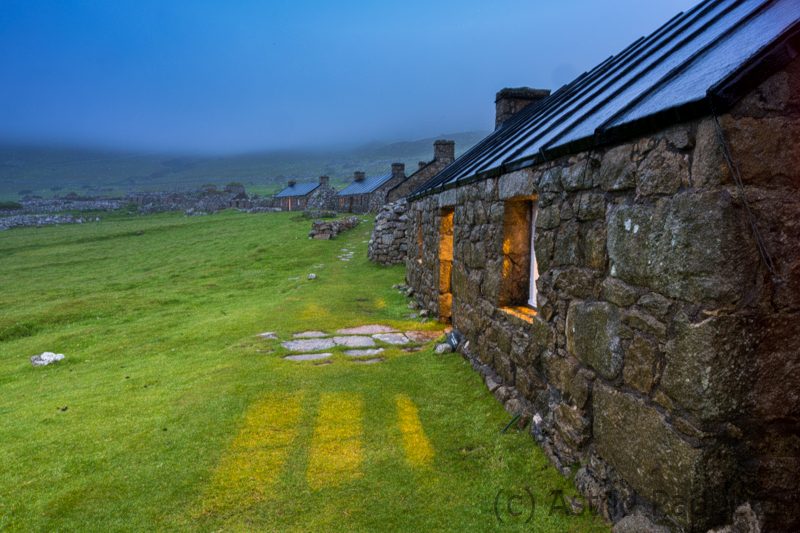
{"type": "Point", "coordinates": [329, 229]}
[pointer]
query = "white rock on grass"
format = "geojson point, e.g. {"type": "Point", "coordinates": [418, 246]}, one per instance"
{"type": "Point", "coordinates": [444, 348]}
{"type": "Point", "coordinates": [46, 358]}
{"type": "Point", "coordinates": [268, 335]}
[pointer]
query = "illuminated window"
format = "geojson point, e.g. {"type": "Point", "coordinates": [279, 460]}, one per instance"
{"type": "Point", "coordinates": [520, 271]}
{"type": "Point", "coordinates": [446, 265]}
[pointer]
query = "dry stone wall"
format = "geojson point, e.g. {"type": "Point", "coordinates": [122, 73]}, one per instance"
{"type": "Point", "coordinates": [388, 245]}
{"type": "Point", "coordinates": [662, 364]}
{"type": "Point", "coordinates": [329, 229]}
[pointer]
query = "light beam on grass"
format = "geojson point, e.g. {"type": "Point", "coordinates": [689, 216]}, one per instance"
{"type": "Point", "coordinates": [258, 454]}
{"type": "Point", "coordinates": [336, 447]}
{"type": "Point", "coordinates": [419, 451]}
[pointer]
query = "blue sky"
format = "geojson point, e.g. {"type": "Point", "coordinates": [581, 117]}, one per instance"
{"type": "Point", "coordinates": [241, 75]}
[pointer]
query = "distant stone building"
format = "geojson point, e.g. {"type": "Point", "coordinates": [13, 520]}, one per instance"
{"type": "Point", "coordinates": [622, 259]}
{"type": "Point", "coordinates": [300, 196]}
{"type": "Point", "coordinates": [367, 194]}
{"type": "Point", "coordinates": [388, 245]}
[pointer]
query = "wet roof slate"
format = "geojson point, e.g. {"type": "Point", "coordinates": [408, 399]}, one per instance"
{"type": "Point", "coordinates": [365, 186]}
{"type": "Point", "coordinates": [298, 189]}
{"type": "Point", "coordinates": [674, 74]}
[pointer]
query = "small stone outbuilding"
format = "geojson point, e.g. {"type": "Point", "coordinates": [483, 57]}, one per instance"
{"type": "Point", "coordinates": [622, 258]}
{"type": "Point", "coordinates": [308, 195]}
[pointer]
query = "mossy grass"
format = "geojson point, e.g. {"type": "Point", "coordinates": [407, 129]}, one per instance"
{"type": "Point", "coordinates": [164, 382]}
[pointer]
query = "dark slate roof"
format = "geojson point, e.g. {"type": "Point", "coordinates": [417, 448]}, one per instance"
{"type": "Point", "coordinates": [298, 189]}
{"type": "Point", "coordinates": [703, 59]}
{"type": "Point", "coordinates": [366, 186]}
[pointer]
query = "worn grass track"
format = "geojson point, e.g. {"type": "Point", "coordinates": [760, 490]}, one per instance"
{"type": "Point", "coordinates": [169, 414]}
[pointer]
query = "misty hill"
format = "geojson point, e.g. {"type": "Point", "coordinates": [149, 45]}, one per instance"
{"type": "Point", "coordinates": [58, 171]}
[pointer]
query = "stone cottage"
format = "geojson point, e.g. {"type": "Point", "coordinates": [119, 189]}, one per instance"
{"type": "Point", "coordinates": [622, 260]}
{"type": "Point", "coordinates": [368, 194]}
{"type": "Point", "coordinates": [444, 153]}
{"type": "Point", "coordinates": [309, 195]}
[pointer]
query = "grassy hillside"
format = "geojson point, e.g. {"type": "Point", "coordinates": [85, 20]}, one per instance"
{"type": "Point", "coordinates": [50, 171]}
{"type": "Point", "coordinates": [170, 414]}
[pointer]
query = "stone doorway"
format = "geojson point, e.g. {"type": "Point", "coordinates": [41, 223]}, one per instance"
{"type": "Point", "coordinates": [446, 265]}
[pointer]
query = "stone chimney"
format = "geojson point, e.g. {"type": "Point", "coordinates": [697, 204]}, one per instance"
{"type": "Point", "coordinates": [510, 101]}
{"type": "Point", "coordinates": [292, 183]}
{"type": "Point", "coordinates": [398, 170]}
{"type": "Point", "coordinates": [323, 180]}
{"type": "Point", "coordinates": [444, 151]}
{"type": "Point", "coordinates": [359, 176]}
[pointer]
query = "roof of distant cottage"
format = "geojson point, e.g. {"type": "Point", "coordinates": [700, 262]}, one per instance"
{"type": "Point", "coordinates": [298, 189]}
{"type": "Point", "coordinates": [367, 185]}
{"type": "Point", "coordinates": [702, 60]}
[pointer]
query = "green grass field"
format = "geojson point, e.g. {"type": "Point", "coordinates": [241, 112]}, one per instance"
{"type": "Point", "coordinates": [170, 414]}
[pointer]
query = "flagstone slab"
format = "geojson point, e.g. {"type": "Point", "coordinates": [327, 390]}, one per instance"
{"type": "Point", "coordinates": [309, 345]}
{"type": "Point", "coordinates": [308, 356]}
{"type": "Point", "coordinates": [310, 335]}
{"type": "Point", "coordinates": [396, 339]}
{"type": "Point", "coordinates": [354, 341]}
{"type": "Point", "coordinates": [362, 353]}
{"type": "Point", "coordinates": [366, 330]}
{"type": "Point", "coordinates": [423, 336]}
{"type": "Point", "coordinates": [269, 335]}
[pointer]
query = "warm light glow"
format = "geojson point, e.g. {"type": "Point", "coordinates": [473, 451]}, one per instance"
{"type": "Point", "coordinates": [419, 451]}
{"type": "Point", "coordinates": [336, 448]}
{"type": "Point", "coordinates": [520, 311]}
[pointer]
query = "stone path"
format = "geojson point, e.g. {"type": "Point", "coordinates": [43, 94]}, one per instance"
{"type": "Point", "coordinates": [362, 353]}
{"type": "Point", "coordinates": [308, 356]}
{"type": "Point", "coordinates": [358, 343]}
{"type": "Point", "coordinates": [310, 345]}
{"type": "Point", "coordinates": [354, 341]}
{"type": "Point", "coordinates": [396, 339]}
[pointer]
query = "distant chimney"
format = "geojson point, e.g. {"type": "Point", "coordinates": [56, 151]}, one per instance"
{"type": "Point", "coordinates": [323, 180]}
{"type": "Point", "coordinates": [359, 176]}
{"type": "Point", "coordinates": [422, 164]}
{"type": "Point", "coordinates": [292, 183]}
{"type": "Point", "coordinates": [511, 101]}
{"type": "Point", "coordinates": [444, 151]}
{"type": "Point", "coordinates": [398, 170]}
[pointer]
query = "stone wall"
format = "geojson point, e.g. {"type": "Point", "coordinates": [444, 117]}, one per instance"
{"type": "Point", "coordinates": [661, 364]}
{"type": "Point", "coordinates": [388, 245]}
{"type": "Point", "coordinates": [329, 229]}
